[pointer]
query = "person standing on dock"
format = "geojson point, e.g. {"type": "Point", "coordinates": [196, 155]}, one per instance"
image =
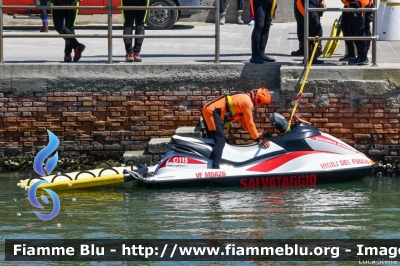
{"type": "Point", "coordinates": [264, 12]}
{"type": "Point", "coordinates": [131, 17]}
{"type": "Point", "coordinates": [43, 16]}
{"type": "Point", "coordinates": [64, 23]}
{"type": "Point", "coordinates": [314, 27]}
{"type": "Point", "coordinates": [358, 22]}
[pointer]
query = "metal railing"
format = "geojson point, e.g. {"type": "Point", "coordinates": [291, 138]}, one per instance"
{"type": "Point", "coordinates": [307, 38]}
{"type": "Point", "coordinates": [109, 34]}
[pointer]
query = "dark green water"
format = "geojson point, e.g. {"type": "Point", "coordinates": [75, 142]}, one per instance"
{"type": "Point", "coordinates": [365, 209]}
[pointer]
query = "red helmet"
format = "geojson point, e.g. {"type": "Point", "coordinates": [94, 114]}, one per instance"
{"type": "Point", "coordinates": [260, 96]}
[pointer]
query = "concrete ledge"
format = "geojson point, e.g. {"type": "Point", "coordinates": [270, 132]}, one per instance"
{"type": "Point", "coordinates": [24, 79]}
{"type": "Point", "coordinates": [370, 81]}
{"type": "Point", "coordinates": [194, 132]}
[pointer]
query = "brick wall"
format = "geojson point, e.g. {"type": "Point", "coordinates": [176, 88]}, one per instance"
{"type": "Point", "coordinates": [109, 123]}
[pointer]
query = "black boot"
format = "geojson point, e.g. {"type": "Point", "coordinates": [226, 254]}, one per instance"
{"type": "Point", "coordinates": [299, 52]}
{"type": "Point", "coordinates": [256, 60]}
{"type": "Point", "coordinates": [266, 58]}
{"type": "Point", "coordinates": [347, 57]}
{"type": "Point", "coordinates": [319, 50]}
{"type": "Point", "coordinates": [315, 61]}
{"type": "Point", "coordinates": [45, 27]}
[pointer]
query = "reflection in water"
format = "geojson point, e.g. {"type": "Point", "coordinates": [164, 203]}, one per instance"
{"type": "Point", "coordinates": [368, 208]}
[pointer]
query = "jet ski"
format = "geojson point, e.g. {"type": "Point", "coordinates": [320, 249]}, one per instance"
{"type": "Point", "coordinates": [303, 157]}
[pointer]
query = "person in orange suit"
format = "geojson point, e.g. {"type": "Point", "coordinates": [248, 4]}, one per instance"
{"type": "Point", "coordinates": [357, 19]}
{"type": "Point", "coordinates": [238, 107]}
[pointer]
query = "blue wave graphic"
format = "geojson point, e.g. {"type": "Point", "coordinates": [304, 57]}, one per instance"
{"type": "Point", "coordinates": [44, 153]}
{"type": "Point", "coordinates": [32, 198]}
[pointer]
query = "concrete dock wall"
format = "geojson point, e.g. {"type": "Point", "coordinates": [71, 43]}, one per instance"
{"type": "Point", "coordinates": [109, 109]}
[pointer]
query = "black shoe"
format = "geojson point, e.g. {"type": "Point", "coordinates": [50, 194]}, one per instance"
{"type": "Point", "coordinates": [359, 62]}
{"type": "Point", "coordinates": [299, 52]}
{"type": "Point", "coordinates": [45, 27]}
{"type": "Point", "coordinates": [347, 58]}
{"type": "Point", "coordinates": [363, 62]}
{"type": "Point", "coordinates": [129, 57]}
{"type": "Point", "coordinates": [256, 60]}
{"type": "Point", "coordinates": [319, 52]}
{"type": "Point", "coordinates": [316, 61]}
{"type": "Point", "coordinates": [353, 61]}
{"type": "Point", "coordinates": [78, 52]}
{"type": "Point", "coordinates": [136, 56]}
{"type": "Point", "coordinates": [266, 58]}
{"type": "Point", "coordinates": [67, 57]}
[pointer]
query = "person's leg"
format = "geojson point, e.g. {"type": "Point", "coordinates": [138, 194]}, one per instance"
{"type": "Point", "coordinates": [368, 20]}
{"type": "Point", "coordinates": [314, 30]}
{"type": "Point", "coordinates": [348, 32]}
{"type": "Point", "coordinates": [219, 140]}
{"type": "Point", "coordinates": [140, 19]}
{"type": "Point", "coordinates": [58, 17]}
{"type": "Point", "coordinates": [359, 29]}
{"type": "Point", "coordinates": [43, 16]}
{"type": "Point", "coordinates": [70, 20]}
{"type": "Point", "coordinates": [222, 11]}
{"type": "Point", "coordinates": [128, 17]}
{"type": "Point", "coordinates": [251, 8]}
{"type": "Point", "coordinates": [300, 30]}
{"type": "Point", "coordinates": [240, 6]}
{"type": "Point", "coordinates": [265, 34]}
{"type": "Point", "coordinates": [260, 7]}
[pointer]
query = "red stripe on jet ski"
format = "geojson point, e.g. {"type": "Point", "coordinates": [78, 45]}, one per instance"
{"type": "Point", "coordinates": [333, 142]}
{"type": "Point", "coordinates": [274, 163]}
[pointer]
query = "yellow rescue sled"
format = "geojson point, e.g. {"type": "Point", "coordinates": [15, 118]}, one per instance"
{"type": "Point", "coordinates": [332, 45]}
{"type": "Point", "coordinates": [85, 178]}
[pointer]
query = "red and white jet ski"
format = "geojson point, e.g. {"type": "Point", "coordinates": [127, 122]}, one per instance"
{"type": "Point", "coordinates": [303, 157]}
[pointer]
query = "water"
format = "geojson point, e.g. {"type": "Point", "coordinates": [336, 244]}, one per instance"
{"type": "Point", "coordinates": [364, 209]}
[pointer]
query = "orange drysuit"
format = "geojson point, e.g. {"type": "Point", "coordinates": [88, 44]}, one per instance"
{"type": "Point", "coordinates": [243, 107]}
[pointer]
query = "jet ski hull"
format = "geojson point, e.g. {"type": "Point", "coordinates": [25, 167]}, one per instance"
{"type": "Point", "coordinates": [284, 180]}
{"type": "Point", "coordinates": [304, 157]}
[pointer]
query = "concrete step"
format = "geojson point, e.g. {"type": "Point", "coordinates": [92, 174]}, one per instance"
{"type": "Point", "coordinates": [156, 147]}
{"type": "Point", "coordinates": [137, 156]}
{"type": "Point", "coordinates": [193, 132]}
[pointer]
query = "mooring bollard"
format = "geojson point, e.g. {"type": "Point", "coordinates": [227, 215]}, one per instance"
{"type": "Point", "coordinates": [391, 22]}
{"type": "Point", "coordinates": [381, 10]}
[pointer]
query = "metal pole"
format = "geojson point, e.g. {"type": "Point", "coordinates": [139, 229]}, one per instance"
{"type": "Point", "coordinates": [306, 18]}
{"type": "Point", "coordinates": [217, 31]}
{"type": "Point", "coordinates": [374, 33]}
{"type": "Point", "coordinates": [109, 24]}
{"type": "Point", "coordinates": [1, 34]}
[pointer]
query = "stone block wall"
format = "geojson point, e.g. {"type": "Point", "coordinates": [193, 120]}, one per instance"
{"type": "Point", "coordinates": [109, 123]}
{"type": "Point", "coordinates": [109, 109]}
